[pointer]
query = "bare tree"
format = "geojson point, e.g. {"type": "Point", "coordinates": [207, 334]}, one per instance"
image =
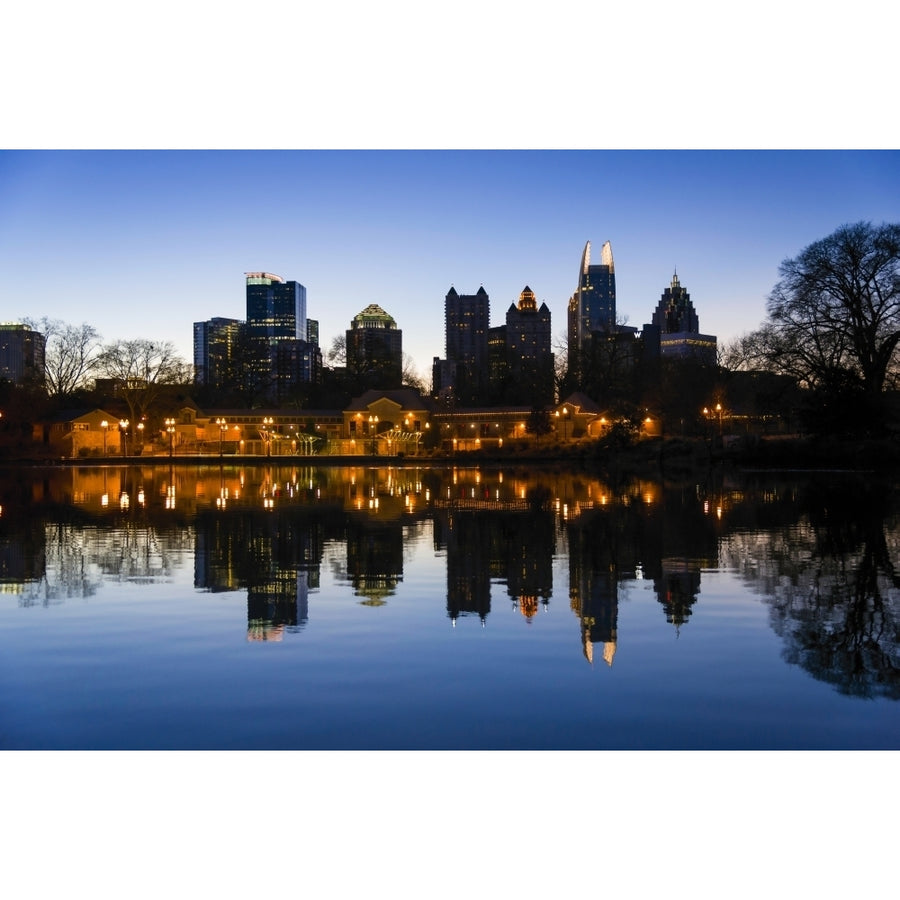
{"type": "Point", "coordinates": [141, 369]}
{"type": "Point", "coordinates": [836, 309]}
{"type": "Point", "coordinates": [410, 376]}
{"type": "Point", "coordinates": [337, 353]}
{"type": "Point", "coordinates": [70, 356]}
{"type": "Point", "coordinates": [741, 354]}
{"type": "Point", "coordinates": [561, 384]}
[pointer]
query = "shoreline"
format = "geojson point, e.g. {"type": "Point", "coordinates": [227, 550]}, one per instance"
{"type": "Point", "coordinates": [670, 454]}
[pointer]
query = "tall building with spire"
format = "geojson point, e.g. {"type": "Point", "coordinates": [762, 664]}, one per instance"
{"type": "Point", "coordinates": [675, 312]}
{"type": "Point", "coordinates": [678, 327]}
{"type": "Point", "coordinates": [592, 307]}
{"type": "Point", "coordinates": [528, 350]}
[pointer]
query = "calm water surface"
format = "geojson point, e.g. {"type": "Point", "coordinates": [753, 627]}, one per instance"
{"type": "Point", "coordinates": [292, 607]}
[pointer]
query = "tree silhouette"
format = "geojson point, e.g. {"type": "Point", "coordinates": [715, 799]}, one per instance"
{"type": "Point", "coordinates": [834, 318]}
{"type": "Point", "coordinates": [70, 356]}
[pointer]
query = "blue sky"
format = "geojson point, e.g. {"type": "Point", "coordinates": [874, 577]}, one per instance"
{"type": "Point", "coordinates": [144, 243]}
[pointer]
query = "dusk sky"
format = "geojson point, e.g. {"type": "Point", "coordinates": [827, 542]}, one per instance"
{"type": "Point", "coordinates": [145, 243]}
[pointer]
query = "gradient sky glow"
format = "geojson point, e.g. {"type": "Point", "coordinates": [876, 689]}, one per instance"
{"type": "Point", "coordinates": [145, 243]}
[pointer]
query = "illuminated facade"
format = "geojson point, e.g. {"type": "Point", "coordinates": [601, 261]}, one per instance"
{"type": "Point", "coordinates": [276, 309]}
{"type": "Point", "coordinates": [214, 344]}
{"type": "Point", "coordinates": [277, 333]}
{"type": "Point", "coordinates": [593, 305]}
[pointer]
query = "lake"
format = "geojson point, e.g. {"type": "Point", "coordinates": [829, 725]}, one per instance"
{"type": "Point", "coordinates": [403, 607]}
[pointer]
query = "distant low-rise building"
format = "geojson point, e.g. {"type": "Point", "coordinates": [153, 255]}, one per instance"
{"type": "Point", "coordinates": [81, 432]}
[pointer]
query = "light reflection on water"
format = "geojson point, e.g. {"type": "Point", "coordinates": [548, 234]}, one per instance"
{"type": "Point", "coordinates": [414, 607]}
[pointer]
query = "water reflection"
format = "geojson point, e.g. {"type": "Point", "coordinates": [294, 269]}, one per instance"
{"type": "Point", "coordinates": [830, 579]}
{"type": "Point", "coordinates": [821, 553]}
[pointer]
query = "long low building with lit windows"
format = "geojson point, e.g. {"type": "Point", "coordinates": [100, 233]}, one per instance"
{"type": "Point", "coordinates": [378, 423]}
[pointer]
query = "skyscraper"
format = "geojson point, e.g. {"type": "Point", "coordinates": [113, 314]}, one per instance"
{"type": "Point", "coordinates": [678, 327]}
{"type": "Point", "coordinates": [593, 305]}
{"type": "Point", "coordinates": [466, 321]}
{"type": "Point", "coordinates": [375, 348]}
{"type": "Point", "coordinates": [21, 353]}
{"type": "Point", "coordinates": [527, 329]}
{"type": "Point", "coordinates": [276, 309]}
{"type": "Point", "coordinates": [276, 332]}
{"type": "Point", "coordinates": [528, 351]}
{"type": "Point", "coordinates": [675, 312]}
{"type": "Point", "coordinates": [214, 344]}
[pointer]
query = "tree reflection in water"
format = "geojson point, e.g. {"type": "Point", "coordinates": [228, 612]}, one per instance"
{"type": "Point", "coordinates": [820, 552]}
{"type": "Point", "coordinates": [831, 583]}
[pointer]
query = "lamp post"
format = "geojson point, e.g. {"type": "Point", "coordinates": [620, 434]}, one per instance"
{"type": "Point", "coordinates": [170, 430]}
{"type": "Point", "coordinates": [719, 411]}
{"type": "Point", "coordinates": [140, 431]}
{"type": "Point", "coordinates": [222, 426]}
{"type": "Point", "coordinates": [373, 428]}
{"type": "Point", "coordinates": [267, 433]}
{"type": "Point", "coordinates": [105, 426]}
{"type": "Point", "coordinates": [708, 433]}
{"type": "Point", "coordinates": [123, 430]}
{"type": "Point", "coordinates": [565, 423]}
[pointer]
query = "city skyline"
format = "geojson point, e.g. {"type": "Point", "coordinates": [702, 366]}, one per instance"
{"type": "Point", "coordinates": [97, 236]}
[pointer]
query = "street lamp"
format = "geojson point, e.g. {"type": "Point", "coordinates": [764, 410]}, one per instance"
{"type": "Point", "coordinates": [223, 425]}
{"type": "Point", "coordinates": [267, 433]}
{"type": "Point", "coordinates": [373, 428]}
{"type": "Point", "coordinates": [719, 411]}
{"type": "Point", "coordinates": [170, 430]}
{"type": "Point", "coordinates": [123, 430]}
{"type": "Point", "coordinates": [105, 426]}
{"type": "Point", "coordinates": [565, 423]}
{"type": "Point", "coordinates": [140, 429]}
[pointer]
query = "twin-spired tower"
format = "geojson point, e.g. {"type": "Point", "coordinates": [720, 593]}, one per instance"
{"type": "Point", "coordinates": [593, 305]}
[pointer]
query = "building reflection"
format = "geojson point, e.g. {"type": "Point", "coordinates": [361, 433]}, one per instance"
{"type": "Point", "coordinates": [494, 530]}
{"type": "Point", "coordinates": [677, 588]}
{"type": "Point", "coordinates": [525, 546]}
{"type": "Point", "coordinates": [374, 559]}
{"type": "Point", "coordinates": [464, 538]}
{"type": "Point", "coordinates": [275, 558]}
{"type": "Point", "coordinates": [594, 585]}
{"type": "Point", "coordinates": [822, 555]}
